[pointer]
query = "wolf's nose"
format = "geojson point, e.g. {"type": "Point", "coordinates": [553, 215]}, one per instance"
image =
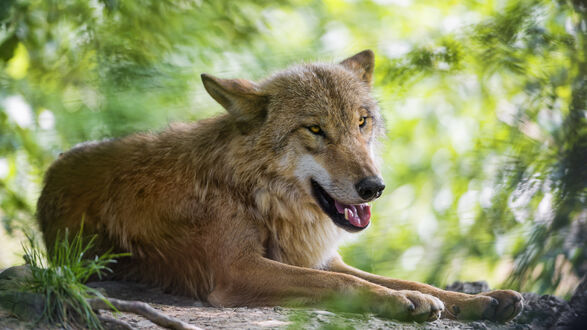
{"type": "Point", "coordinates": [370, 187]}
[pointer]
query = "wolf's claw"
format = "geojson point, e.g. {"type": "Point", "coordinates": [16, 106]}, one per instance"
{"type": "Point", "coordinates": [420, 307]}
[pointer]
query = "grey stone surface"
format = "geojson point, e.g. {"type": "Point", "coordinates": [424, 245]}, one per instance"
{"type": "Point", "coordinates": [540, 312]}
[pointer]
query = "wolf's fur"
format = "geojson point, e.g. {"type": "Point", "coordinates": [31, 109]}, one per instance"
{"type": "Point", "coordinates": [223, 209]}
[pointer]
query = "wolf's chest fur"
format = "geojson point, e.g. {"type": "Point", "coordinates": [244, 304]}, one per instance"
{"type": "Point", "coordinates": [297, 234]}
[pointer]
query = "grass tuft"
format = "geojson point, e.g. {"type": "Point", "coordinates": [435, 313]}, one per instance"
{"type": "Point", "coordinates": [60, 276]}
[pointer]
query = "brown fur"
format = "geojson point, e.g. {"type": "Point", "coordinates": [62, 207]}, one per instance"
{"type": "Point", "coordinates": [222, 210]}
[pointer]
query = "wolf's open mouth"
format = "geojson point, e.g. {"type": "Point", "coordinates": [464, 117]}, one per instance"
{"type": "Point", "coordinates": [350, 217]}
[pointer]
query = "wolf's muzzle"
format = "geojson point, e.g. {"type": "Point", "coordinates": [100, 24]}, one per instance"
{"type": "Point", "coordinates": [370, 187]}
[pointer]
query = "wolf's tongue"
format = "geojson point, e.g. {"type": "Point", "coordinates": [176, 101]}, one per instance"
{"type": "Point", "coordinates": [358, 215]}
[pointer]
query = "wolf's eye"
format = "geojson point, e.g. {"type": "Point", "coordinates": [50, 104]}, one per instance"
{"type": "Point", "coordinates": [362, 121]}
{"type": "Point", "coordinates": [315, 129]}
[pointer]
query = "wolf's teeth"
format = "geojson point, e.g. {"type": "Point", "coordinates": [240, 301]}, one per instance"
{"type": "Point", "coordinates": [346, 213]}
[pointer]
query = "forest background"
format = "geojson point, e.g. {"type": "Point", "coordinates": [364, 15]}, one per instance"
{"type": "Point", "coordinates": [485, 157]}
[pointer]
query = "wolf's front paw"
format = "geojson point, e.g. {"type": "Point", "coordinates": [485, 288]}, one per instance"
{"type": "Point", "coordinates": [415, 306]}
{"type": "Point", "coordinates": [498, 305]}
{"type": "Point", "coordinates": [510, 304]}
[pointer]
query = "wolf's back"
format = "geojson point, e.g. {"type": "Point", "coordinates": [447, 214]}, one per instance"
{"type": "Point", "coordinates": [73, 187]}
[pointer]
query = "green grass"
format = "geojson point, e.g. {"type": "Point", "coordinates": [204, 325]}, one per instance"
{"type": "Point", "coordinates": [60, 276]}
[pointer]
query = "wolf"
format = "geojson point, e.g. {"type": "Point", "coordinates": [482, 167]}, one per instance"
{"type": "Point", "coordinates": [247, 208]}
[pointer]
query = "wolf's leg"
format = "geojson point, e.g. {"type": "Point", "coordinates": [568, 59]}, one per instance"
{"type": "Point", "coordinates": [257, 281]}
{"type": "Point", "coordinates": [498, 305]}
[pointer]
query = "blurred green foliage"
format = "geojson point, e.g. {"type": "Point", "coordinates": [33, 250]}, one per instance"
{"type": "Point", "coordinates": [485, 158]}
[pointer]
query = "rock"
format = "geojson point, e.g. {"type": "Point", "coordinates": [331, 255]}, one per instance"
{"type": "Point", "coordinates": [10, 276]}
{"type": "Point", "coordinates": [540, 312]}
{"type": "Point", "coordinates": [24, 305]}
{"type": "Point", "coordinates": [468, 287]}
{"type": "Point", "coordinates": [576, 316]}
{"type": "Point", "coordinates": [16, 272]}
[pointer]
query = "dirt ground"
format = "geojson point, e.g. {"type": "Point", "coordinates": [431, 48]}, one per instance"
{"type": "Point", "coordinates": [540, 312]}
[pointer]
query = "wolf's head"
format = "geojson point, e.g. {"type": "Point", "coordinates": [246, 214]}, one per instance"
{"type": "Point", "coordinates": [320, 122]}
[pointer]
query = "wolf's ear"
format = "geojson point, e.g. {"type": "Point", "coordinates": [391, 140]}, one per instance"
{"type": "Point", "coordinates": [241, 98]}
{"type": "Point", "coordinates": [361, 64]}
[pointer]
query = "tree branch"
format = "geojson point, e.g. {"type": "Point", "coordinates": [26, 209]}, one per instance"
{"type": "Point", "coordinates": [116, 322]}
{"type": "Point", "coordinates": [143, 309]}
